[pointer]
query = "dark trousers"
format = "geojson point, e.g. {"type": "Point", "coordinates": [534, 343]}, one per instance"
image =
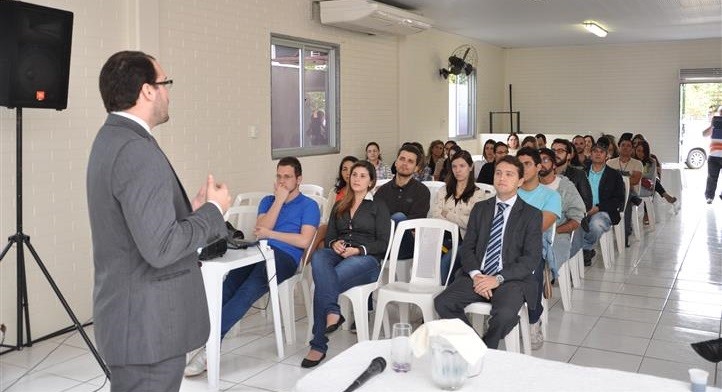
{"type": "Point", "coordinates": [164, 376]}
{"type": "Point", "coordinates": [506, 301]}
{"type": "Point", "coordinates": [714, 164]}
{"type": "Point", "coordinates": [535, 314]}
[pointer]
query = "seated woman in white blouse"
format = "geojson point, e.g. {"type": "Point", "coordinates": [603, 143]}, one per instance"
{"type": "Point", "coordinates": [455, 201]}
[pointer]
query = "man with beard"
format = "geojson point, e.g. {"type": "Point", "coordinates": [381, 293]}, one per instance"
{"type": "Point", "coordinates": [405, 197]}
{"type": "Point", "coordinates": [550, 204]}
{"type": "Point", "coordinates": [573, 210]}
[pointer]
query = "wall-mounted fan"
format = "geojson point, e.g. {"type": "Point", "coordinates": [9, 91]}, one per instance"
{"type": "Point", "coordinates": [462, 59]}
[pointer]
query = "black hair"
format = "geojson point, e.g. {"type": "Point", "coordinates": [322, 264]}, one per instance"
{"type": "Point", "coordinates": [514, 161]}
{"type": "Point", "coordinates": [122, 77]}
{"type": "Point", "coordinates": [293, 162]}
{"type": "Point", "coordinates": [530, 152]}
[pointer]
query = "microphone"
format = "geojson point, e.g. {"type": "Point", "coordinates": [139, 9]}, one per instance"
{"type": "Point", "coordinates": [377, 366]}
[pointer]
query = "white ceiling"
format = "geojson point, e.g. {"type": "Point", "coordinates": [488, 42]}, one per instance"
{"type": "Point", "coordinates": [529, 23]}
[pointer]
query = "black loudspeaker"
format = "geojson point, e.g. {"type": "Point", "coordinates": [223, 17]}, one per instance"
{"type": "Point", "coordinates": [34, 55]}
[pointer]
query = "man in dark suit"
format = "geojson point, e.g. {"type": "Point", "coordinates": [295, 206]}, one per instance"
{"type": "Point", "coordinates": [501, 250]}
{"type": "Point", "coordinates": [149, 304]}
{"type": "Point", "coordinates": [607, 199]}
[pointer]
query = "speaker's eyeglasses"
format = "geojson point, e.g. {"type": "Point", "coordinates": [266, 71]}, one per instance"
{"type": "Point", "coordinates": [167, 83]}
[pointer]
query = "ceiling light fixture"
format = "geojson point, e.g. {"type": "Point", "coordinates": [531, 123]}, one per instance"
{"type": "Point", "coordinates": [595, 28]}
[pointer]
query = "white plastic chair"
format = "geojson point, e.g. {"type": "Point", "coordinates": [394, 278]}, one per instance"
{"type": "Point", "coordinates": [424, 284]}
{"type": "Point", "coordinates": [478, 163]}
{"type": "Point", "coordinates": [249, 198]}
{"type": "Point", "coordinates": [243, 218]}
{"type": "Point", "coordinates": [286, 291]}
{"type": "Point", "coordinates": [434, 187]}
{"type": "Point", "coordinates": [287, 288]}
{"type": "Point", "coordinates": [511, 340]}
{"type": "Point", "coordinates": [311, 189]}
{"type": "Point", "coordinates": [489, 190]}
{"type": "Point", "coordinates": [619, 227]}
{"type": "Point", "coordinates": [358, 297]}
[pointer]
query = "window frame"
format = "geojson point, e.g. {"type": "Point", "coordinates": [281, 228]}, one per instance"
{"type": "Point", "coordinates": [471, 109]}
{"type": "Point", "coordinates": [333, 112]}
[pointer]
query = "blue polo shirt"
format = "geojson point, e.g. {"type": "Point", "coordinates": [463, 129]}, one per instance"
{"type": "Point", "coordinates": [543, 198]}
{"type": "Point", "coordinates": [293, 215]}
{"type": "Point", "coordinates": [594, 179]}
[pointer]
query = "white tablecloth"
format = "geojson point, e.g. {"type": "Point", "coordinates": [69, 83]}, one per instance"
{"type": "Point", "coordinates": [502, 371]}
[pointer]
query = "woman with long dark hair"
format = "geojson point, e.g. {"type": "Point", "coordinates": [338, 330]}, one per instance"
{"type": "Point", "coordinates": [356, 240]}
{"type": "Point", "coordinates": [435, 158]}
{"type": "Point", "coordinates": [651, 167]}
{"type": "Point", "coordinates": [455, 201]}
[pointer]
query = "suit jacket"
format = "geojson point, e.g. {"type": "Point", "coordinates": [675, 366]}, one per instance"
{"type": "Point", "coordinates": [580, 181]}
{"type": "Point", "coordinates": [149, 302]}
{"type": "Point", "coordinates": [611, 193]}
{"type": "Point", "coordinates": [522, 244]}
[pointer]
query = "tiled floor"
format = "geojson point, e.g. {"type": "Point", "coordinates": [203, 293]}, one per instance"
{"type": "Point", "coordinates": [639, 316]}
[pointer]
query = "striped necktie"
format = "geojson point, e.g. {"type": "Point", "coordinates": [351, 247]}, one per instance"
{"type": "Point", "coordinates": [493, 249]}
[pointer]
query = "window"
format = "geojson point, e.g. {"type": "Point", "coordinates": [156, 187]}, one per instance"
{"type": "Point", "coordinates": [304, 98]}
{"type": "Point", "coordinates": [462, 106]}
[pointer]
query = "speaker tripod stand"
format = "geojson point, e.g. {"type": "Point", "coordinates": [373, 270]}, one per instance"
{"type": "Point", "coordinates": [22, 241]}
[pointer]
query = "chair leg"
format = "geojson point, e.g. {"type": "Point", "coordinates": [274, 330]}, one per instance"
{"type": "Point", "coordinates": [619, 234]}
{"type": "Point", "coordinates": [606, 243]}
{"type": "Point", "coordinates": [574, 270]}
{"type": "Point", "coordinates": [380, 314]}
{"type": "Point", "coordinates": [511, 340]}
{"type": "Point", "coordinates": [580, 266]}
{"type": "Point", "coordinates": [308, 303]}
{"type": "Point", "coordinates": [564, 286]}
{"type": "Point", "coordinates": [636, 226]}
{"type": "Point", "coordinates": [288, 313]}
{"type": "Point", "coordinates": [650, 204]}
{"type": "Point", "coordinates": [524, 327]}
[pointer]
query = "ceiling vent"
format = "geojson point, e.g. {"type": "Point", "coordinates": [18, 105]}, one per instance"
{"type": "Point", "coordinates": [371, 17]}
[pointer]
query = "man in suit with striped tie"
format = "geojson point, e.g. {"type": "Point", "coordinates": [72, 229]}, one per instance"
{"type": "Point", "coordinates": [499, 256]}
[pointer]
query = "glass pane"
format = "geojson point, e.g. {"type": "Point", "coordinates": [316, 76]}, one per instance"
{"type": "Point", "coordinates": [285, 92]}
{"type": "Point", "coordinates": [315, 66]}
{"type": "Point", "coordinates": [459, 94]}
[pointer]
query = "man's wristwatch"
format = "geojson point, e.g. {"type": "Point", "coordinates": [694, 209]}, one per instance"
{"type": "Point", "coordinates": [499, 279]}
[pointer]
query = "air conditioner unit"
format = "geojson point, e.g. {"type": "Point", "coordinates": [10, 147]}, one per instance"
{"type": "Point", "coordinates": [371, 17]}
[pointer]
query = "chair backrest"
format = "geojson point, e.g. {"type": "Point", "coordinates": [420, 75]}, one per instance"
{"type": "Point", "coordinates": [244, 219]}
{"type": "Point", "coordinates": [311, 189]}
{"type": "Point", "coordinates": [434, 187]}
{"type": "Point", "coordinates": [388, 249]}
{"type": "Point", "coordinates": [478, 163]}
{"type": "Point", "coordinates": [489, 190]}
{"type": "Point", "coordinates": [625, 179]}
{"type": "Point", "coordinates": [428, 240]}
{"type": "Point", "coordinates": [379, 183]}
{"type": "Point", "coordinates": [249, 198]}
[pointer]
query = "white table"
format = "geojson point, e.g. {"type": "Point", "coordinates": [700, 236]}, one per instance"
{"type": "Point", "coordinates": [214, 271]}
{"type": "Point", "coordinates": [502, 371]}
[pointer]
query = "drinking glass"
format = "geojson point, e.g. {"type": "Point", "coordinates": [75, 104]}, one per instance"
{"type": "Point", "coordinates": [401, 347]}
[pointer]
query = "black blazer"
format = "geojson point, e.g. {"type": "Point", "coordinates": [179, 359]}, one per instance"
{"type": "Point", "coordinates": [522, 246]}
{"type": "Point", "coordinates": [611, 193]}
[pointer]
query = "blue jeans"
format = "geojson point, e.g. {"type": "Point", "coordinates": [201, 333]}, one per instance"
{"type": "Point", "coordinates": [599, 224]}
{"type": "Point", "coordinates": [406, 249]}
{"type": "Point", "coordinates": [244, 286]}
{"type": "Point", "coordinates": [333, 275]}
